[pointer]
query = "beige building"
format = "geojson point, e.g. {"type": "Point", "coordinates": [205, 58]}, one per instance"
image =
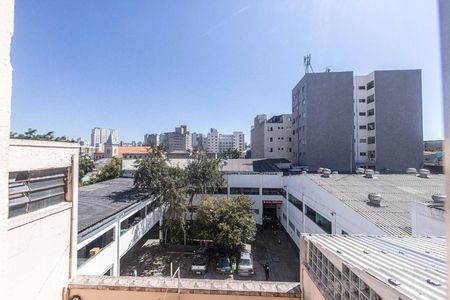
{"type": "Point", "coordinates": [179, 140]}
{"type": "Point", "coordinates": [272, 138]}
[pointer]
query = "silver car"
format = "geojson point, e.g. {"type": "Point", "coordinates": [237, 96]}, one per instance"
{"type": "Point", "coordinates": [245, 267]}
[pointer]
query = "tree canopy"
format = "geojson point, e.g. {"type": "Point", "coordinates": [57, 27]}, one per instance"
{"type": "Point", "coordinates": [228, 222]}
{"type": "Point", "coordinates": [31, 134]}
{"type": "Point", "coordinates": [111, 170]}
{"type": "Point", "coordinates": [85, 165]}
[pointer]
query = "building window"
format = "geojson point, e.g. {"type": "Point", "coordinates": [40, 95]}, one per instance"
{"type": "Point", "coordinates": [370, 99]}
{"type": "Point", "coordinates": [244, 191]}
{"type": "Point", "coordinates": [274, 192]}
{"type": "Point", "coordinates": [303, 89]}
{"type": "Point", "coordinates": [270, 129]}
{"type": "Point", "coordinates": [371, 154]}
{"type": "Point", "coordinates": [95, 247]}
{"type": "Point", "coordinates": [33, 190]}
{"type": "Point", "coordinates": [362, 127]}
{"type": "Point", "coordinates": [362, 140]}
{"type": "Point", "coordinates": [270, 149]}
{"type": "Point", "coordinates": [298, 233]}
{"type": "Point", "coordinates": [370, 85]}
{"type": "Point", "coordinates": [291, 225]}
{"type": "Point", "coordinates": [296, 202]}
{"type": "Point", "coordinates": [317, 218]}
{"type": "Point", "coordinates": [256, 211]}
{"type": "Point", "coordinates": [290, 139]}
{"type": "Point", "coordinates": [371, 112]}
{"type": "Point", "coordinates": [290, 149]}
{"type": "Point", "coordinates": [371, 140]}
{"type": "Point", "coordinates": [362, 100]}
{"type": "Point", "coordinates": [363, 113]}
{"type": "Point", "coordinates": [371, 126]}
{"type": "Point", "coordinates": [362, 153]}
{"type": "Point", "coordinates": [361, 87]}
{"type": "Point", "coordinates": [284, 216]}
{"type": "Point", "coordinates": [132, 220]}
{"type": "Point", "coordinates": [271, 139]}
{"type": "Point", "coordinates": [217, 191]}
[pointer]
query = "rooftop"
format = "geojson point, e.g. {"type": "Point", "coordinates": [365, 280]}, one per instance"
{"type": "Point", "coordinates": [102, 200]}
{"type": "Point", "coordinates": [417, 265]}
{"type": "Point", "coordinates": [397, 191]}
{"type": "Point", "coordinates": [133, 150]}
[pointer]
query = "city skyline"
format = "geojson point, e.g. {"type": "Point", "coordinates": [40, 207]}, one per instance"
{"type": "Point", "coordinates": [216, 65]}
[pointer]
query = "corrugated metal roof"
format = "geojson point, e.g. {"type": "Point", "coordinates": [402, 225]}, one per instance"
{"type": "Point", "coordinates": [398, 192]}
{"type": "Point", "coordinates": [409, 260]}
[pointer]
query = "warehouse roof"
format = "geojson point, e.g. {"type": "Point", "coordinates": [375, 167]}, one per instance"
{"type": "Point", "coordinates": [398, 192]}
{"type": "Point", "coordinates": [412, 266]}
{"type": "Point", "coordinates": [102, 200]}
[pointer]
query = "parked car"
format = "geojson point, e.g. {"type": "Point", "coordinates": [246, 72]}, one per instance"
{"type": "Point", "coordinates": [245, 267]}
{"type": "Point", "coordinates": [200, 261]}
{"type": "Point", "coordinates": [223, 264]}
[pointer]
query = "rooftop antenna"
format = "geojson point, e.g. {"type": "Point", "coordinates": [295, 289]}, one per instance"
{"type": "Point", "coordinates": [307, 63]}
{"type": "Point", "coordinates": [328, 69]}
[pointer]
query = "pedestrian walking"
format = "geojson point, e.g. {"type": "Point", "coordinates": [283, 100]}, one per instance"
{"type": "Point", "coordinates": [266, 271]}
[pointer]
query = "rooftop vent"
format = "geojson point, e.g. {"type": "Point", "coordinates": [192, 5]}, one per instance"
{"type": "Point", "coordinates": [375, 199]}
{"type": "Point", "coordinates": [326, 173]}
{"type": "Point", "coordinates": [320, 170]}
{"type": "Point", "coordinates": [304, 172]}
{"type": "Point", "coordinates": [335, 172]}
{"type": "Point", "coordinates": [377, 172]}
{"type": "Point", "coordinates": [424, 173]}
{"type": "Point", "coordinates": [411, 171]}
{"type": "Point", "coordinates": [369, 173]}
{"type": "Point", "coordinates": [433, 282]}
{"type": "Point", "coordinates": [394, 282]}
{"type": "Point", "coordinates": [438, 198]}
{"type": "Point", "coordinates": [360, 171]}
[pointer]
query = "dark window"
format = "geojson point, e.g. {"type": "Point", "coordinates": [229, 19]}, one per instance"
{"type": "Point", "coordinates": [296, 202]}
{"type": "Point", "coordinates": [132, 220]}
{"type": "Point", "coordinates": [371, 112]}
{"type": "Point", "coordinates": [274, 192]}
{"type": "Point", "coordinates": [371, 126]}
{"type": "Point", "coordinates": [344, 232]}
{"type": "Point", "coordinates": [362, 140]}
{"type": "Point", "coordinates": [290, 139]}
{"type": "Point", "coordinates": [256, 211]}
{"type": "Point", "coordinates": [371, 154]}
{"type": "Point", "coordinates": [361, 87]}
{"type": "Point", "coordinates": [270, 149]}
{"type": "Point", "coordinates": [94, 247]}
{"type": "Point", "coordinates": [362, 113]}
{"type": "Point", "coordinates": [291, 225]}
{"type": "Point", "coordinates": [244, 191]}
{"type": "Point", "coordinates": [33, 190]}
{"type": "Point", "coordinates": [290, 149]}
{"type": "Point", "coordinates": [362, 127]}
{"type": "Point", "coordinates": [217, 191]}
{"type": "Point", "coordinates": [271, 139]}
{"type": "Point", "coordinates": [318, 219]}
{"type": "Point", "coordinates": [371, 140]}
{"type": "Point", "coordinates": [362, 100]}
{"type": "Point", "coordinates": [284, 216]}
{"type": "Point", "coordinates": [370, 85]}
{"type": "Point", "coordinates": [362, 153]}
{"type": "Point", "coordinates": [370, 99]}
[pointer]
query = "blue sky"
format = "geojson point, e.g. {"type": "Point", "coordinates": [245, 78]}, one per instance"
{"type": "Point", "coordinates": [148, 66]}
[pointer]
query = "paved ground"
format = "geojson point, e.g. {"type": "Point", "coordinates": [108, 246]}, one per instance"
{"type": "Point", "coordinates": [148, 258]}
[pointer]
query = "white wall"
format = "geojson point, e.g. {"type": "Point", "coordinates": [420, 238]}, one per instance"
{"type": "Point", "coordinates": [39, 244]}
{"type": "Point", "coordinates": [107, 258]}
{"type": "Point", "coordinates": [6, 31]}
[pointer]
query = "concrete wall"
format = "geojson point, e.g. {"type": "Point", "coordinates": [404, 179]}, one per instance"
{"type": "Point", "coordinates": [6, 31]}
{"type": "Point", "coordinates": [40, 245]}
{"type": "Point", "coordinates": [257, 136]}
{"type": "Point", "coordinates": [328, 136]}
{"type": "Point", "coordinates": [398, 115]}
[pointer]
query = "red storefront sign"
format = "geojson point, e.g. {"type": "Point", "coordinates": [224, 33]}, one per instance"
{"type": "Point", "coordinates": [272, 202]}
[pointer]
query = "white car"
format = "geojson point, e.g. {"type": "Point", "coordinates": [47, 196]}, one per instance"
{"type": "Point", "coordinates": [245, 267]}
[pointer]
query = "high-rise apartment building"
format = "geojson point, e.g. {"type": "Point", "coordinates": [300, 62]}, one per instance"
{"type": "Point", "coordinates": [219, 143]}
{"type": "Point", "coordinates": [197, 141]}
{"type": "Point", "coordinates": [272, 138]}
{"type": "Point", "coordinates": [99, 136]}
{"type": "Point", "coordinates": [151, 139]}
{"type": "Point", "coordinates": [179, 140]}
{"type": "Point", "coordinates": [342, 121]}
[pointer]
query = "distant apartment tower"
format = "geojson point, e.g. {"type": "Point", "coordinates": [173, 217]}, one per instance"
{"type": "Point", "coordinates": [342, 121]}
{"type": "Point", "coordinates": [179, 140]}
{"type": "Point", "coordinates": [197, 141]}
{"type": "Point", "coordinates": [219, 143]}
{"type": "Point", "coordinates": [151, 139]}
{"type": "Point", "coordinates": [272, 138]}
{"type": "Point", "coordinates": [99, 136]}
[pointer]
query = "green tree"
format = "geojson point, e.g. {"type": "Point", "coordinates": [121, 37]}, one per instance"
{"type": "Point", "coordinates": [228, 222]}
{"type": "Point", "coordinates": [85, 165]}
{"type": "Point", "coordinates": [203, 175]}
{"type": "Point", "coordinates": [31, 134]}
{"type": "Point", "coordinates": [111, 170]}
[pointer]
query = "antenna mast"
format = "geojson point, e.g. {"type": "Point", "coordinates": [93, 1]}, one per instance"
{"type": "Point", "coordinates": [307, 63]}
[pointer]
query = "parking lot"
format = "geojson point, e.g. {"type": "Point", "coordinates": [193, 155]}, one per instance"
{"type": "Point", "coordinates": [148, 258]}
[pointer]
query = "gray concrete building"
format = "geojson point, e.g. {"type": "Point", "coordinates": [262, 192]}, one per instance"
{"type": "Point", "coordinates": [151, 139]}
{"type": "Point", "coordinates": [179, 140]}
{"type": "Point", "coordinates": [342, 121]}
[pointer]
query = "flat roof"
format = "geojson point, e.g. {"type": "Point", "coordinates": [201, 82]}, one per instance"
{"type": "Point", "coordinates": [411, 261]}
{"type": "Point", "coordinates": [102, 200]}
{"type": "Point", "coordinates": [398, 191]}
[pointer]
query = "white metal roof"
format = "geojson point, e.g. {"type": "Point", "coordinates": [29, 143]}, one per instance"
{"type": "Point", "coordinates": [398, 192]}
{"type": "Point", "coordinates": [409, 260]}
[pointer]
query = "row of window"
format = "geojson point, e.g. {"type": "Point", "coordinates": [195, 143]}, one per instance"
{"type": "Point", "coordinates": [281, 149]}
{"type": "Point", "coordinates": [370, 99]}
{"type": "Point", "coordinates": [371, 154]}
{"type": "Point", "coordinates": [369, 126]}
{"type": "Point", "coordinates": [369, 86]}
{"type": "Point", "coordinates": [370, 112]}
{"type": "Point", "coordinates": [280, 138]}
{"type": "Point", "coordinates": [255, 191]}
{"type": "Point", "coordinates": [318, 219]}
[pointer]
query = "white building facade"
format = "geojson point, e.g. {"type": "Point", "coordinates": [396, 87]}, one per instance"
{"type": "Point", "coordinates": [220, 143]}
{"type": "Point", "coordinates": [99, 136]}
